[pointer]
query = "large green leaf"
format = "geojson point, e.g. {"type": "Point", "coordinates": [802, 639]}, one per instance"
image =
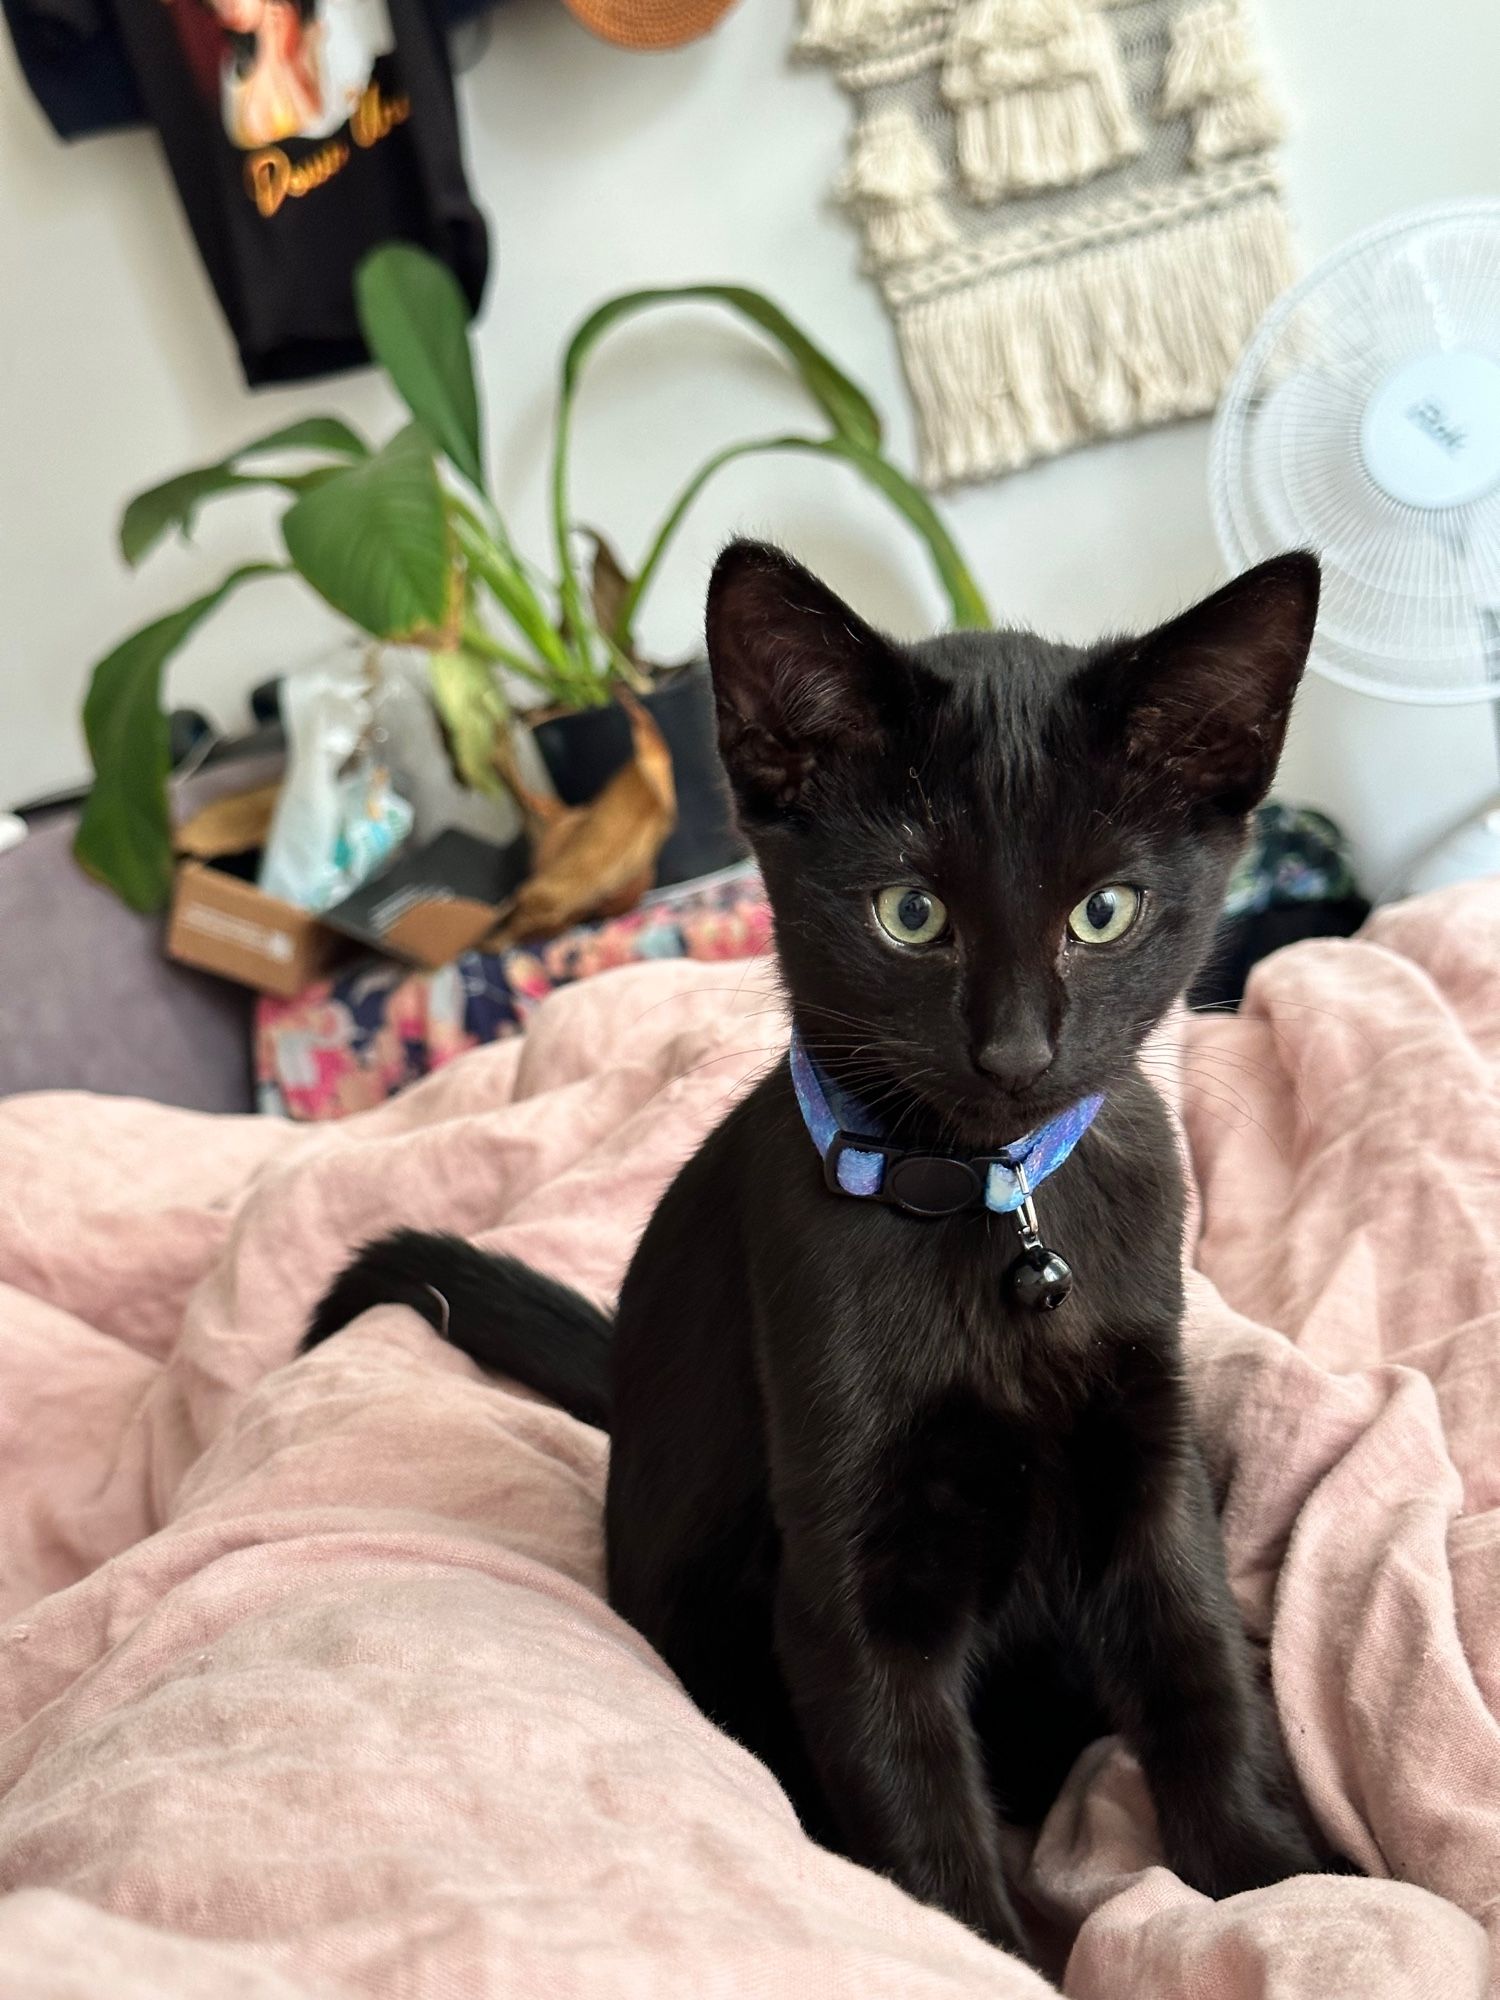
{"type": "Point", "coordinates": [175, 502]}
{"type": "Point", "coordinates": [846, 406]}
{"type": "Point", "coordinates": [374, 539]}
{"type": "Point", "coordinates": [415, 320]}
{"type": "Point", "coordinates": [309, 434]}
{"type": "Point", "coordinates": [963, 593]}
{"type": "Point", "coordinates": [125, 835]}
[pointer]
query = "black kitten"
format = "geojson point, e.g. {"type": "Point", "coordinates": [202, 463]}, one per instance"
{"type": "Point", "coordinates": [911, 1542]}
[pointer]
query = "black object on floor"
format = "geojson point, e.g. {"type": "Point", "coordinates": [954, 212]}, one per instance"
{"type": "Point", "coordinates": [1295, 881]}
{"type": "Point", "coordinates": [1240, 946]}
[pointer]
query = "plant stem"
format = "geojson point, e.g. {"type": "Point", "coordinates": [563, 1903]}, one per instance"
{"type": "Point", "coordinates": [970, 610]}
{"type": "Point", "coordinates": [477, 640]}
{"type": "Point", "coordinates": [512, 590]}
{"type": "Point", "coordinates": [576, 621]}
{"type": "Point", "coordinates": [963, 593]}
{"type": "Point", "coordinates": [855, 437]}
{"type": "Point", "coordinates": [623, 634]}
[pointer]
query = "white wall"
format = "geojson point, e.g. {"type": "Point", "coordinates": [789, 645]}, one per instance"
{"type": "Point", "coordinates": [601, 170]}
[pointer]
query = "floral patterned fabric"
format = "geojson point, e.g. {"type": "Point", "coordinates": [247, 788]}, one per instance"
{"type": "Point", "coordinates": [355, 1039]}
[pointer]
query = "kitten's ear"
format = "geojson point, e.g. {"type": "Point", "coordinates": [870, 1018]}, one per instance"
{"type": "Point", "coordinates": [799, 679]}
{"type": "Point", "coordinates": [1205, 699]}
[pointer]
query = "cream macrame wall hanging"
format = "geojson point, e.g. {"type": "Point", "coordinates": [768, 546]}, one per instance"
{"type": "Point", "coordinates": [1070, 206]}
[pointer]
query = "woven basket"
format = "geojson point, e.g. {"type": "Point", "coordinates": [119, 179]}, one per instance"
{"type": "Point", "coordinates": [649, 24]}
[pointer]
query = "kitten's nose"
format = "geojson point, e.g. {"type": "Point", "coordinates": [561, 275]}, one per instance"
{"type": "Point", "coordinates": [1016, 1058]}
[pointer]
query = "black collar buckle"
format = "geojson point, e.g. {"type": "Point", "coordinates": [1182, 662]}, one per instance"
{"type": "Point", "coordinates": [930, 1186]}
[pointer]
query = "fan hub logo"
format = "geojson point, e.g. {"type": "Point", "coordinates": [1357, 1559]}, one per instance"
{"type": "Point", "coordinates": [1434, 420]}
{"type": "Point", "coordinates": [1430, 434]}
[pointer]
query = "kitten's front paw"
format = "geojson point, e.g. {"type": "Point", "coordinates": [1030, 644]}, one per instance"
{"type": "Point", "coordinates": [990, 1911]}
{"type": "Point", "coordinates": [1340, 1864]}
{"type": "Point", "coordinates": [1252, 1854]}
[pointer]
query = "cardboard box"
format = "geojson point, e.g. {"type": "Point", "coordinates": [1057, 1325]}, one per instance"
{"type": "Point", "coordinates": [437, 898]}
{"type": "Point", "coordinates": [221, 923]}
{"type": "Point", "coordinates": [432, 902]}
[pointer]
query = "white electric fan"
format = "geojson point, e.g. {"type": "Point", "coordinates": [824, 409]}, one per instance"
{"type": "Point", "coordinates": [1363, 421]}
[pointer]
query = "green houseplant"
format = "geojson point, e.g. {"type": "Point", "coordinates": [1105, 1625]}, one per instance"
{"type": "Point", "coordinates": [405, 541]}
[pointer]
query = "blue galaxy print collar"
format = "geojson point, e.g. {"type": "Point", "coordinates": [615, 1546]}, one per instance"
{"type": "Point", "coordinates": [859, 1161]}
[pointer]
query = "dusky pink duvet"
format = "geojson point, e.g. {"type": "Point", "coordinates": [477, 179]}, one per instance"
{"type": "Point", "coordinates": [307, 1689]}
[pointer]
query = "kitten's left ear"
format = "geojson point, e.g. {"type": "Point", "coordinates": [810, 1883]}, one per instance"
{"type": "Point", "coordinates": [1205, 700]}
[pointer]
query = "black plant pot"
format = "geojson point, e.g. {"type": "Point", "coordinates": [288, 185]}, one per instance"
{"type": "Point", "coordinates": [582, 752]}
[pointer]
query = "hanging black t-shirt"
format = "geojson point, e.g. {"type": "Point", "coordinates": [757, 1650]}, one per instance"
{"type": "Point", "coordinates": [301, 133]}
{"type": "Point", "coordinates": [71, 55]}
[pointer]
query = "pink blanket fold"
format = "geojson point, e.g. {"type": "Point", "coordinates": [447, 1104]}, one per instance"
{"type": "Point", "coordinates": [308, 1690]}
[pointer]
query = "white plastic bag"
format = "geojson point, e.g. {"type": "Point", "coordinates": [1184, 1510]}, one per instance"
{"type": "Point", "coordinates": [338, 818]}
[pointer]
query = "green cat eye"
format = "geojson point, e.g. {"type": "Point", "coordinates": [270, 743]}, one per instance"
{"type": "Point", "coordinates": [1106, 915]}
{"type": "Point", "coordinates": [910, 916]}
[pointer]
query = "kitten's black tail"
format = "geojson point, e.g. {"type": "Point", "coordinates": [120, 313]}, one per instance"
{"type": "Point", "coordinates": [499, 1312]}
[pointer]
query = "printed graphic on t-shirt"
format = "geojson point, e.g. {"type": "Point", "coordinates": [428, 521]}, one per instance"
{"type": "Point", "coordinates": [295, 69]}
{"type": "Point", "coordinates": [284, 71]}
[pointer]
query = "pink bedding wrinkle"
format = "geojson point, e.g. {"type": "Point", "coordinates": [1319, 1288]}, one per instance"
{"type": "Point", "coordinates": [308, 1689]}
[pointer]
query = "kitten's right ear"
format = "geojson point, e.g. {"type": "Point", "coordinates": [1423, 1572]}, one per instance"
{"type": "Point", "coordinates": [799, 679]}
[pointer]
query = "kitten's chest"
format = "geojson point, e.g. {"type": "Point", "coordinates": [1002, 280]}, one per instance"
{"type": "Point", "coordinates": [979, 1337]}
{"type": "Point", "coordinates": [961, 1304]}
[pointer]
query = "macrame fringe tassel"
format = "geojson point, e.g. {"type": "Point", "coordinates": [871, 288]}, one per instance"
{"type": "Point", "coordinates": [1017, 132]}
{"type": "Point", "coordinates": [1026, 363]}
{"type": "Point", "coordinates": [894, 181]}
{"type": "Point", "coordinates": [1211, 72]}
{"type": "Point", "coordinates": [983, 57]}
{"type": "Point", "coordinates": [1209, 56]}
{"type": "Point", "coordinates": [1013, 43]}
{"type": "Point", "coordinates": [1245, 122]}
{"type": "Point", "coordinates": [835, 30]}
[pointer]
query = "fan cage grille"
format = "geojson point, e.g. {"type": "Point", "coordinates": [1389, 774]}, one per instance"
{"type": "Point", "coordinates": [1411, 595]}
